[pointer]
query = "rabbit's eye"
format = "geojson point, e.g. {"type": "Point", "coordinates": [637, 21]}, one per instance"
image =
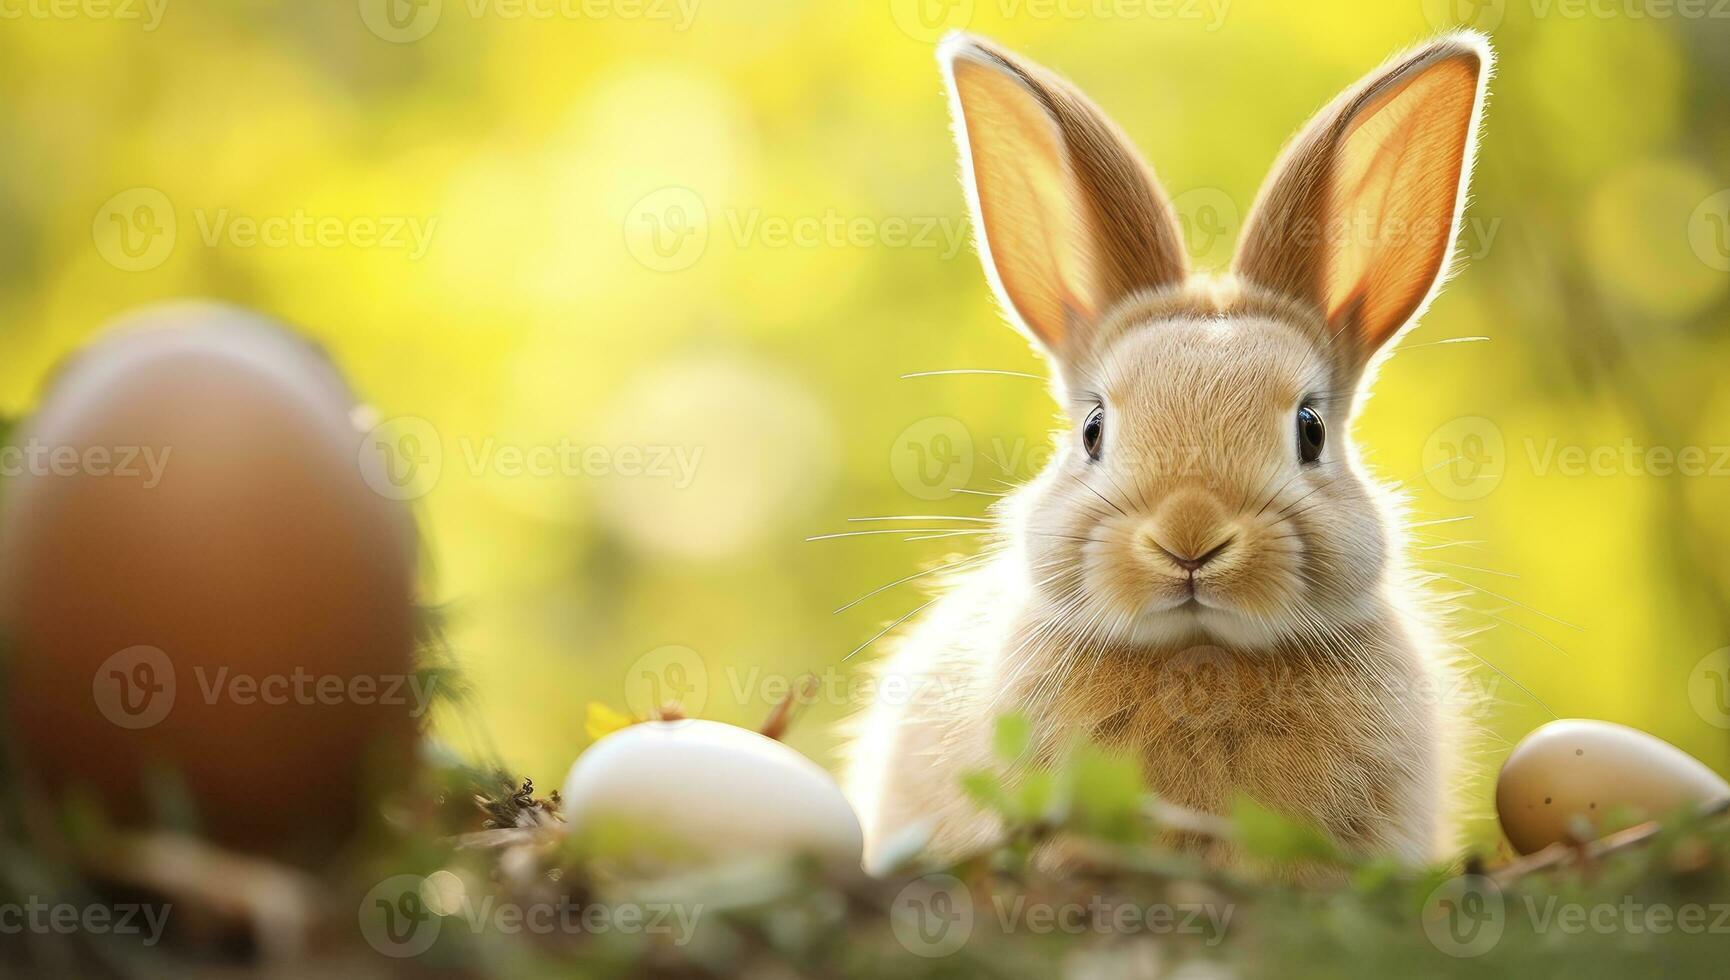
{"type": "Point", "coordinates": [1093, 432]}
{"type": "Point", "coordinates": [1311, 433]}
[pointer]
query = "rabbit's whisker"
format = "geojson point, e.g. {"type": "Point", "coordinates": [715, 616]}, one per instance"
{"type": "Point", "coordinates": [1443, 520]}
{"type": "Point", "coordinates": [1101, 496]}
{"type": "Point", "coordinates": [894, 530]}
{"type": "Point", "coordinates": [1512, 680]}
{"type": "Point", "coordinates": [1446, 462]}
{"type": "Point", "coordinates": [1440, 343]}
{"type": "Point", "coordinates": [991, 371]}
{"type": "Point", "coordinates": [1474, 545]}
{"type": "Point", "coordinates": [1474, 568]}
{"type": "Point", "coordinates": [963, 563]}
{"type": "Point", "coordinates": [885, 630]}
{"type": "Point", "coordinates": [922, 517]}
{"type": "Point", "coordinates": [1512, 602]}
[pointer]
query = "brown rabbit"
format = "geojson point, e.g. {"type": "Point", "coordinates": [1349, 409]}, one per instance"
{"type": "Point", "coordinates": [1203, 576]}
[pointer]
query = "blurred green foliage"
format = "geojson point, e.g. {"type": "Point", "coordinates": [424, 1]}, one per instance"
{"type": "Point", "coordinates": [535, 292]}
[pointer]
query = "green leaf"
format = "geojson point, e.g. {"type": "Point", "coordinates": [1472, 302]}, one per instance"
{"type": "Point", "coordinates": [1105, 792]}
{"type": "Point", "coordinates": [1266, 834]}
{"type": "Point", "coordinates": [985, 789]}
{"type": "Point", "coordinates": [1036, 795]}
{"type": "Point", "coordinates": [1013, 738]}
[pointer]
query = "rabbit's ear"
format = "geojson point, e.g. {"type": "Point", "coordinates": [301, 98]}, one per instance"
{"type": "Point", "coordinates": [1360, 215]}
{"type": "Point", "coordinates": [1067, 218]}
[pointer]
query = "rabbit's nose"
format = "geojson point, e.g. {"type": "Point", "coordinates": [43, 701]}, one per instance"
{"type": "Point", "coordinates": [1191, 562]}
{"type": "Point", "coordinates": [1188, 531]}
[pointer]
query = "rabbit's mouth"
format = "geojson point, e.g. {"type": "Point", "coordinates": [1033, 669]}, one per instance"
{"type": "Point", "coordinates": [1192, 619]}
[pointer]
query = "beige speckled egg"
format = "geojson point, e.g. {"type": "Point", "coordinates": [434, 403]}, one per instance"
{"type": "Point", "coordinates": [1578, 767]}
{"type": "Point", "coordinates": [197, 582]}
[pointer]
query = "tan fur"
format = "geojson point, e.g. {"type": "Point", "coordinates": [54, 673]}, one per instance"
{"type": "Point", "coordinates": [1291, 658]}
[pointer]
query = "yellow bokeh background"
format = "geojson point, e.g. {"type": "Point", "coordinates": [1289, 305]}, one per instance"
{"type": "Point", "coordinates": [729, 228]}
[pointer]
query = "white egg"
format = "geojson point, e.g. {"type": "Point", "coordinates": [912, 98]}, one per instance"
{"type": "Point", "coordinates": [706, 791]}
{"type": "Point", "coordinates": [1582, 768]}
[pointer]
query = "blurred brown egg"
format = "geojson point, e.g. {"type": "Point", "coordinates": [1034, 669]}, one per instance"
{"type": "Point", "coordinates": [199, 591]}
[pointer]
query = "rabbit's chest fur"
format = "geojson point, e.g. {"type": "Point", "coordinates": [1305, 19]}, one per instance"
{"type": "Point", "coordinates": [1343, 734]}
{"type": "Point", "coordinates": [1324, 733]}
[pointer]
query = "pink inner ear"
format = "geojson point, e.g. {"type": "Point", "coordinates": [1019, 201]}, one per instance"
{"type": "Point", "coordinates": [1071, 221]}
{"type": "Point", "coordinates": [1393, 197]}
{"type": "Point", "coordinates": [1359, 215]}
{"type": "Point", "coordinates": [1027, 209]}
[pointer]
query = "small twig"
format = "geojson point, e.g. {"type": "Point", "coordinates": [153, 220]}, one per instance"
{"type": "Point", "coordinates": [1561, 853]}
{"type": "Point", "coordinates": [273, 903]}
{"type": "Point", "coordinates": [781, 718]}
{"type": "Point", "coordinates": [484, 840]}
{"type": "Point", "coordinates": [1181, 818]}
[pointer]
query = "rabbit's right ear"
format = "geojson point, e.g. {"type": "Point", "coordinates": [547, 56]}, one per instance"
{"type": "Point", "coordinates": [1360, 216]}
{"type": "Point", "coordinates": [1068, 219]}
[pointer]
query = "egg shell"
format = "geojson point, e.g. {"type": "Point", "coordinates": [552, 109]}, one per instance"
{"type": "Point", "coordinates": [1578, 767]}
{"type": "Point", "coordinates": [709, 791]}
{"type": "Point", "coordinates": [254, 550]}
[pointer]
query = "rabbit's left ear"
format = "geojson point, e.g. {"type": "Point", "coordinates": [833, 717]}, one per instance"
{"type": "Point", "coordinates": [1360, 215]}
{"type": "Point", "coordinates": [1069, 220]}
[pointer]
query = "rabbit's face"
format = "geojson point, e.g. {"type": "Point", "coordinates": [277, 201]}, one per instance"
{"type": "Point", "coordinates": [1206, 485]}
{"type": "Point", "coordinates": [1205, 488]}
